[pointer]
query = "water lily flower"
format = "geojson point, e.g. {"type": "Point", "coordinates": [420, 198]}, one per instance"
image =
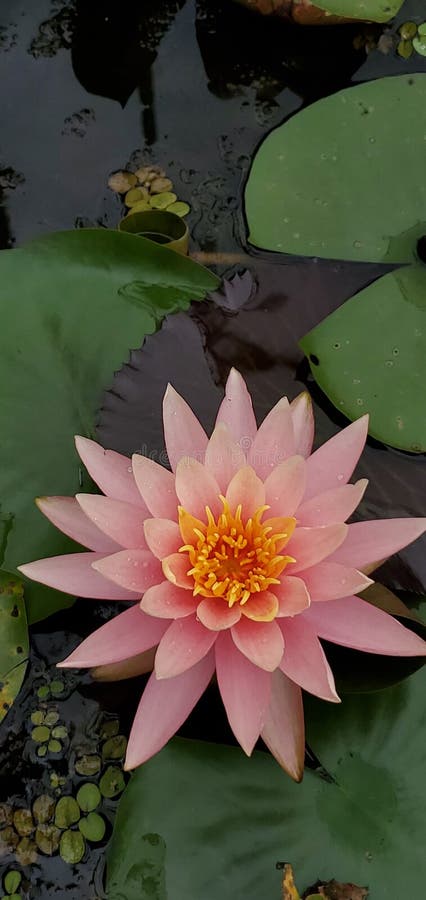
{"type": "Point", "coordinates": [238, 562]}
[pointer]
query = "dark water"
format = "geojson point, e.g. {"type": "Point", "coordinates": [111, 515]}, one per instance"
{"type": "Point", "coordinates": [89, 88]}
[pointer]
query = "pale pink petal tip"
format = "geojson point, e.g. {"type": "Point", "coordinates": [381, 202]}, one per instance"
{"type": "Point", "coordinates": [183, 433]}
{"type": "Point", "coordinates": [303, 423]}
{"type": "Point", "coordinates": [236, 410]}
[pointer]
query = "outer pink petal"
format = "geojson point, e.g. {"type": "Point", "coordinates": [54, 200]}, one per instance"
{"type": "Point", "coordinates": [236, 410]}
{"type": "Point", "coordinates": [128, 634]}
{"type": "Point", "coordinates": [156, 486]}
{"type": "Point", "coordinates": [122, 522]}
{"type": "Point", "coordinates": [215, 613]}
{"type": "Point", "coordinates": [353, 622]}
{"type": "Point", "coordinates": [185, 642]}
{"type": "Point", "coordinates": [284, 729]}
{"type": "Point", "coordinates": [135, 570]}
{"type": "Point", "coordinates": [183, 433]}
{"type": "Point", "coordinates": [197, 488]}
{"type": "Point", "coordinates": [65, 514]}
{"type": "Point", "coordinates": [168, 601]}
{"type": "Point", "coordinates": [333, 463]}
{"type": "Point", "coordinates": [285, 486]}
{"type": "Point", "coordinates": [274, 441]}
{"type": "Point", "coordinates": [311, 545]}
{"type": "Point", "coordinates": [74, 574]}
{"type": "Point", "coordinates": [261, 642]}
{"type": "Point", "coordinates": [303, 423]}
{"type": "Point", "coordinates": [304, 660]}
{"type": "Point", "coordinates": [111, 471]}
{"type": "Point", "coordinates": [247, 490]}
{"type": "Point", "coordinates": [330, 581]}
{"type": "Point", "coordinates": [175, 568]}
{"type": "Point", "coordinates": [223, 456]}
{"type": "Point", "coordinates": [292, 596]}
{"type": "Point", "coordinates": [163, 708]}
{"type": "Point", "coordinates": [162, 536]}
{"type": "Point", "coordinates": [126, 668]}
{"type": "Point", "coordinates": [370, 542]}
{"type": "Point", "coordinates": [245, 691]}
{"type": "Point", "coordinates": [332, 506]}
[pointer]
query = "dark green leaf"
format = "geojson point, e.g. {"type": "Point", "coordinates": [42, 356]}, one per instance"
{"type": "Point", "coordinates": [14, 644]}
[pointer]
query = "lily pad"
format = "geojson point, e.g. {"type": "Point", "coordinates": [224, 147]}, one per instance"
{"type": "Point", "coordinates": [341, 180]}
{"type": "Point", "coordinates": [12, 880]}
{"type": "Point", "coordinates": [14, 644]}
{"type": "Point", "coordinates": [93, 827]}
{"type": "Point", "coordinates": [371, 10]}
{"type": "Point", "coordinates": [112, 782]}
{"type": "Point", "coordinates": [88, 797]}
{"type": "Point", "coordinates": [67, 812]}
{"type": "Point", "coordinates": [72, 847]}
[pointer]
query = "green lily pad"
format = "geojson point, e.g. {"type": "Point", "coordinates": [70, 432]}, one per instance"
{"type": "Point", "coordinates": [72, 304]}
{"type": "Point", "coordinates": [72, 847]}
{"type": "Point", "coordinates": [367, 10]}
{"type": "Point", "coordinates": [12, 880]}
{"type": "Point", "coordinates": [14, 644]}
{"type": "Point", "coordinates": [88, 765]}
{"type": "Point", "coordinates": [40, 734]}
{"type": "Point", "coordinates": [112, 782]}
{"type": "Point", "coordinates": [341, 180]}
{"type": "Point", "coordinates": [54, 746]}
{"type": "Point", "coordinates": [88, 797]}
{"type": "Point", "coordinates": [67, 812]}
{"type": "Point", "coordinates": [93, 827]}
{"type": "Point", "coordinates": [57, 687]}
{"type": "Point", "coordinates": [369, 357]}
{"type": "Point", "coordinates": [115, 747]}
{"type": "Point", "coordinates": [364, 823]}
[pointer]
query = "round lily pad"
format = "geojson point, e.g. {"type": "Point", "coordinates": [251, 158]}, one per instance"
{"type": "Point", "coordinates": [47, 838]}
{"type": "Point", "coordinates": [51, 717]}
{"type": "Point", "coordinates": [57, 687]}
{"type": "Point", "coordinates": [180, 208]}
{"type": "Point", "coordinates": [8, 840]}
{"type": "Point", "coordinates": [88, 797]}
{"type": "Point", "coordinates": [42, 750]}
{"type": "Point", "coordinates": [405, 49]}
{"type": "Point", "coordinates": [67, 812]}
{"type": "Point", "coordinates": [115, 747]}
{"type": "Point", "coordinates": [407, 30]}
{"type": "Point", "coordinates": [160, 185]}
{"type": "Point", "coordinates": [419, 44]}
{"type": "Point", "coordinates": [60, 732]}
{"type": "Point", "coordinates": [112, 782]}
{"type": "Point", "coordinates": [163, 200]}
{"type": "Point", "coordinates": [37, 717]}
{"type": "Point", "coordinates": [43, 808]}
{"type": "Point", "coordinates": [121, 182]}
{"type": "Point", "coordinates": [26, 852]}
{"type": "Point", "coordinates": [23, 822]}
{"type": "Point", "coordinates": [88, 765]}
{"type": "Point", "coordinates": [135, 195]}
{"type": "Point", "coordinates": [92, 827]}
{"type": "Point", "coordinates": [109, 728]}
{"type": "Point", "coordinates": [6, 814]}
{"type": "Point", "coordinates": [43, 692]}
{"type": "Point", "coordinates": [54, 746]}
{"type": "Point", "coordinates": [11, 881]}
{"type": "Point", "coordinates": [72, 847]}
{"type": "Point", "coordinates": [40, 734]}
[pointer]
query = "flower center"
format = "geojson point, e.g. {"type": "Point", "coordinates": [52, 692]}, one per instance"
{"type": "Point", "coordinates": [232, 558]}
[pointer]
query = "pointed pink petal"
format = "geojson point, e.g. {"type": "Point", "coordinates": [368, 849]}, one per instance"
{"type": "Point", "coordinates": [135, 570]}
{"type": "Point", "coordinates": [162, 536]}
{"type": "Point", "coordinates": [304, 660]}
{"type": "Point", "coordinates": [168, 601]}
{"type": "Point", "coordinates": [330, 581]}
{"type": "Point", "coordinates": [332, 464]}
{"type": "Point", "coordinates": [197, 488]}
{"type": "Point", "coordinates": [303, 423]}
{"type": "Point", "coordinates": [74, 574]}
{"type": "Point", "coordinates": [274, 441]}
{"type": "Point", "coordinates": [163, 708]}
{"type": "Point", "coordinates": [122, 522]}
{"type": "Point", "coordinates": [285, 486]}
{"type": "Point", "coordinates": [245, 690]}
{"type": "Point", "coordinates": [215, 613]}
{"type": "Point", "coordinates": [371, 542]}
{"type": "Point", "coordinates": [185, 642]}
{"type": "Point", "coordinates": [111, 471]}
{"type": "Point", "coordinates": [127, 668]}
{"type": "Point", "coordinates": [292, 596]}
{"type": "Point", "coordinates": [247, 490]}
{"type": "Point", "coordinates": [175, 568]}
{"type": "Point", "coordinates": [332, 506]}
{"type": "Point", "coordinates": [311, 545]}
{"type": "Point", "coordinates": [128, 634]}
{"type": "Point", "coordinates": [65, 514]}
{"type": "Point", "coordinates": [156, 486]}
{"type": "Point", "coordinates": [223, 456]}
{"type": "Point", "coordinates": [284, 728]}
{"type": "Point", "coordinates": [353, 622]}
{"type": "Point", "coordinates": [183, 433]}
{"type": "Point", "coordinates": [236, 410]}
{"type": "Point", "coordinates": [261, 642]}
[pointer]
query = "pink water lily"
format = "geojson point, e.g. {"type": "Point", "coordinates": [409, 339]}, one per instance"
{"type": "Point", "coordinates": [243, 561]}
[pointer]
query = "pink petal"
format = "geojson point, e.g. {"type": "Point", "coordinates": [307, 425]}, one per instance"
{"type": "Point", "coordinates": [236, 410]}
{"type": "Point", "coordinates": [332, 464]}
{"type": "Point", "coordinates": [310, 546]}
{"type": "Point", "coordinates": [332, 506]}
{"type": "Point", "coordinates": [122, 522]}
{"type": "Point", "coordinates": [167, 601]}
{"type": "Point", "coordinates": [330, 581]}
{"type": "Point", "coordinates": [292, 596]}
{"type": "Point", "coordinates": [261, 606]}
{"type": "Point", "coordinates": [65, 514]}
{"type": "Point", "coordinates": [197, 488]}
{"type": "Point", "coordinates": [128, 634]}
{"type": "Point", "coordinates": [127, 668]}
{"type": "Point", "coordinates": [111, 471]}
{"type": "Point", "coordinates": [247, 490]}
{"type": "Point", "coordinates": [274, 441]}
{"type": "Point", "coordinates": [156, 486]}
{"type": "Point", "coordinates": [245, 690]}
{"type": "Point", "coordinates": [261, 642]}
{"type": "Point", "coordinates": [285, 486]}
{"type": "Point", "coordinates": [73, 574]}
{"type": "Point", "coordinates": [162, 536]}
{"type": "Point", "coordinates": [214, 613]}
{"type": "Point", "coordinates": [135, 570]}
{"type": "Point", "coordinates": [185, 642]}
{"type": "Point", "coordinates": [183, 433]}
{"type": "Point", "coordinates": [284, 729]}
{"type": "Point", "coordinates": [370, 542]}
{"type": "Point", "coordinates": [304, 660]}
{"type": "Point", "coordinates": [163, 708]}
{"type": "Point", "coordinates": [353, 622]}
{"type": "Point", "coordinates": [223, 456]}
{"type": "Point", "coordinates": [175, 568]}
{"type": "Point", "coordinates": [303, 423]}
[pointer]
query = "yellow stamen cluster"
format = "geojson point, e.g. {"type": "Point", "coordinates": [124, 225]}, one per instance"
{"type": "Point", "coordinates": [234, 559]}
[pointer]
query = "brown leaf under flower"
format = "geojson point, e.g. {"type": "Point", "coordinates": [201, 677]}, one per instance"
{"type": "Point", "coordinates": [335, 890]}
